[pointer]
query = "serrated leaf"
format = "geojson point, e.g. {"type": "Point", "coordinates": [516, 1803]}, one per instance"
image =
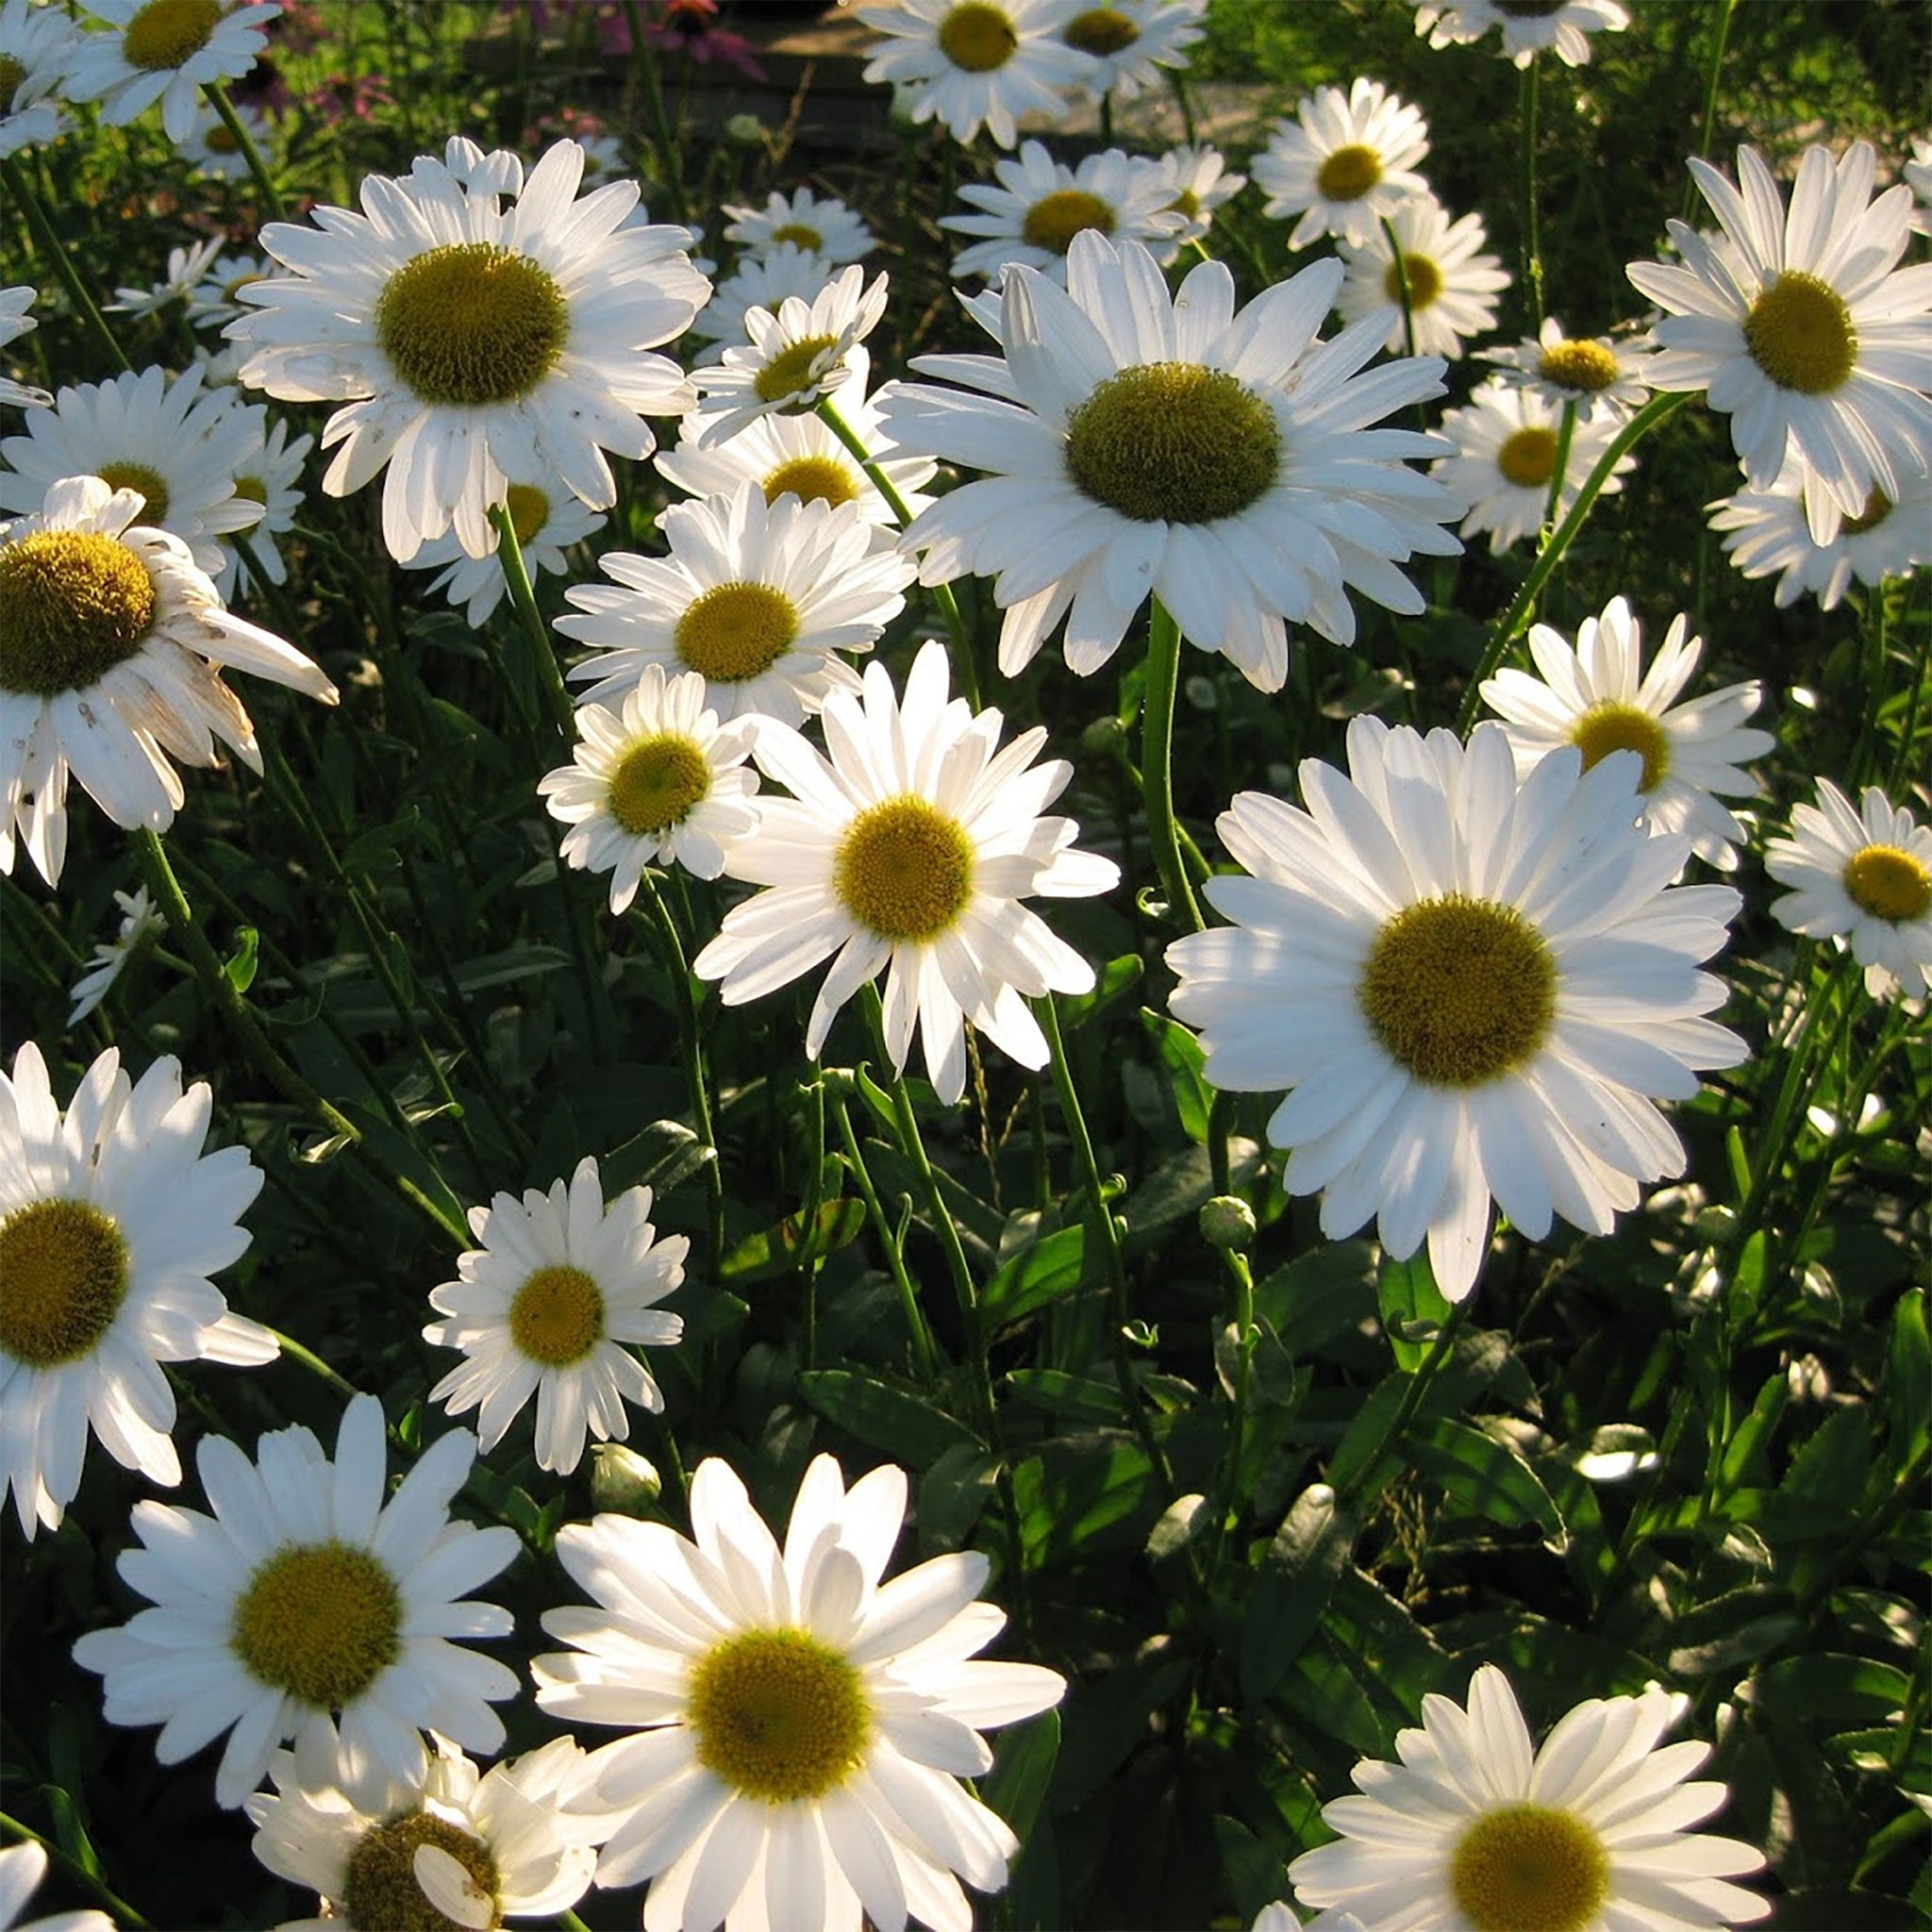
{"type": "Point", "coordinates": [1486, 1477]}
{"type": "Point", "coordinates": [1292, 1587]}
{"type": "Point", "coordinates": [893, 1421]}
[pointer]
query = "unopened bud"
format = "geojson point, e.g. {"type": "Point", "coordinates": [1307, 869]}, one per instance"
{"type": "Point", "coordinates": [623, 1480]}
{"type": "Point", "coordinates": [1227, 1221]}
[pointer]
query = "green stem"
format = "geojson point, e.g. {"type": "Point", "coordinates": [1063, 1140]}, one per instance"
{"type": "Point", "coordinates": [1412, 1397]}
{"type": "Point", "coordinates": [925, 1351]}
{"type": "Point", "coordinates": [1399, 262]}
{"type": "Point", "coordinates": [130, 1919]}
{"type": "Point", "coordinates": [1560, 473]}
{"type": "Point", "coordinates": [1717, 61]}
{"type": "Point", "coordinates": [1244, 1280]}
{"type": "Point", "coordinates": [296, 1352]}
{"type": "Point", "coordinates": [257, 167]}
{"type": "Point", "coordinates": [1532, 250]}
{"type": "Point", "coordinates": [662, 136]}
{"type": "Point", "coordinates": [47, 239]}
{"type": "Point", "coordinates": [1156, 762]}
{"type": "Point", "coordinates": [509, 553]}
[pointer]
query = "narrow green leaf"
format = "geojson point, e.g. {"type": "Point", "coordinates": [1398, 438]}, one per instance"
{"type": "Point", "coordinates": [1116, 977]}
{"type": "Point", "coordinates": [790, 1244]}
{"type": "Point", "coordinates": [1909, 1376]}
{"type": "Point", "coordinates": [1292, 1587]}
{"type": "Point", "coordinates": [892, 1420]}
{"type": "Point", "coordinates": [1040, 1274]}
{"type": "Point", "coordinates": [1181, 1056]}
{"type": "Point", "coordinates": [241, 965]}
{"type": "Point", "coordinates": [1413, 1307]}
{"type": "Point", "coordinates": [1486, 1477]}
{"type": "Point", "coordinates": [1023, 1762]}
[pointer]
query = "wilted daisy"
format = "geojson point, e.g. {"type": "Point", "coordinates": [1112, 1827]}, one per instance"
{"type": "Point", "coordinates": [212, 148]}
{"type": "Point", "coordinates": [1600, 698]}
{"type": "Point", "coordinates": [1475, 1828]}
{"type": "Point", "coordinates": [1345, 161]}
{"type": "Point", "coordinates": [1528, 26]}
{"type": "Point", "coordinates": [307, 1601]}
{"type": "Point", "coordinates": [657, 782]}
{"type": "Point", "coordinates": [113, 1220]}
{"type": "Point", "coordinates": [187, 265]}
{"type": "Point", "coordinates": [794, 356]}
{"type": "Point", "coordinates": [757, 598]}
{"type": "Point", "coordinates": [1453, 287]}
{"type": "Point", "coordinates": [1133, 41]}
{"type": "Point", "coordinates": [174, 444]}
{"type": "Point", "coordinates": [453, 1848]}
{"type": "Point", "coordinates": [547, 522]}
{"type": "Point", "coordinates": [216, 299]}
{"type": "Point", "coordinates": [1507, 444]}
{"type": "Point", "coordinates": [1864, 878]}
{"type": "Point", "coordinates": [1198, 181]}
{"type": "Point", "coordinates": [1471, 985]}
{"type": "Point", "coordinates": [163, 50]}
{"type": "Point", "coordinates": [977, 63]}
{"type": "Point", "coordinates": [140, 922]}
{"type": "Point", "coordinates": [1588, 373]}
{"type": "Point", "coordinates": [826, 228]}
{"type": "Point", "coordinates": [36, 43]}
{"type": "Point", "coordinates": [1767, 530]}
{"type": "Point", "coordinates": [1143, 442]}
{"type": "Point", "coordinates": [22, 1868]}
{"type": "Point", "coordinates": [269, 476]}
{"type": "Point", "coordinates": [14, 323]}
{"type": "Point", "coordinates": [112, 645]}
{"type": "Point", "coordinates": [910, 849]}
{"type": "Point", "coordinates": [795, 1725]}
{"type": "Point", "coordinates": [756, 282]}
{"type": "Point", "coordinates": [518, 350]}
{"type": "Point", "coordinates": [1038, 205]}
{"type": "Point", "coordinates": [1802, 329]}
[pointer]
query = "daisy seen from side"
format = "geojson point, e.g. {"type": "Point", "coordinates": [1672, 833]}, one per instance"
{"type": "Point", "coordinates": [22, 1868]}
{"type": "Point", "coordinates": [1599, 697]}
{"type": "Point", "coordinates": [14, 323]}
{"type": "Point", "coordinates": [140, 922]}
{"type": "Point", "coordinates": [550, 1306]}
{"type": "Point", "coordinates": [1453, 286]}
{"type": "Point", "coordinates": [1477, 1828]}
{"type": "Point", "coordinates": [1344, 162]}
{"type": "Point", "coordinates": [547, 522]}
{"type": "Point", "coordinates": [470, 341]}
{"type": "Point", "coordinates": [826, 227]}
{"type": "Point", "coordinates": [37, 40]}
{"type": "Point", "coordinates": [798, 1726]}
{"type": "Point", "coordinates": [308, 1606]}
{"type": "Point", "coordinates": [186, 267]}
{"type": "Point", "coordinates": [144, 51]}
{"type": "Point", "coordinates": [908, 851]}
{"type": "Point", "coordinates": [1587, 373]}
{"type": "Point", "coordinates": [1527, 27]}
{"type": "Point", "coordinates": [1864, 878]}
{"type": "Point", "coordinates": [1472, 986]}
{"type": "Point", "coordinates": [1132, 43]}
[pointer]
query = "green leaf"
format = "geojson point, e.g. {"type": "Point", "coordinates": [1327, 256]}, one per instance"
{"type": "Point", "coordinates": [892, 1420]}
{"type": "Point", "coordinates": [1023, 1763]}
{"type": "Point", "coordinates": [1255, 1875]}
{"type": "Point", "coordinates": [239, 966]}
{"type": "Point", "coordinates": [1317, 1296]}
{"type": "Point", "coordinates": [1180, 1054]}
{"type": "Point", "coordinates": [1292, 1586]}
{"type": "Point", "coordinates": [789, 1244]}
{"type": "Point", "coordinates": [1909, 1376]}
{"type": "Point", "coordinates": [1074, 1398]}
{"type": "Point", "coordinates": [1113, 979]}
{"type": "Point", "coordinates": [1413, 1308]}
{"type": "Point", "coordinates": [660, 1157]}
{"type": "Point", "coordinates": [1041, 1274]}
{"type": "Point", "coordinates": [1075, 1488]}
{"type": "Point", "coordinates": [1830, 1691]}
{"type": "Point", "coordinates": [1178, 1188]}
{"type": "Point", "coordinates": [953, 1494]}
{"type": "Point", "coordinates": [1486, 1477]}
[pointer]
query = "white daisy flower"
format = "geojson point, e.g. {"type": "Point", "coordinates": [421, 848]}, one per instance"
{"type": "Point", "coordinates": [14, 323]}
{"type": "Point", "coordinates": [187, 265]}
{"type": "Point", "coordinates": [801, 455]}
{"type": "Point", "coordinates": [657, 782]}
{"type": "Point", "coordinates": [473, 342]}
{"type": "Point", "coordinates": [164, 50]}
{"type": "Point", "coordinates": [175, 444]}
{"type": "Point", "coordinates": [1143, 442]}
{"type": "Point", "coordinates": [757, 282]}
{"type": "Point", "coordinates": [215, 300]}
{"type": "Point", "coordinates": [797, 1729]}
{"type": "Point", "coordinates": [547, 524]}
{"type": "Point", "coordinates": [1038, 205]}
{"type": "Point", "coordinates": [977, 63]}
{"type": "Point", "coordinates": [22, 1868]}
{"type": "Point", "coordinates": [37, 41]}
{"type": "Point", "coordinates": [1198, 181]}
{"type": "Point", "coordinates": [453, 1848]}
{"type": "Point", "coordinates": [1528, 26]}
{"type": "Point", "coordinates": [1133, 41]}
{"type": "Point", "coordinates": [910, 849]}
{"type": "Point", "coordinates": [269, 476]}
{"type": "Point", "coordinates": [112, 645]}
{"type": "Point", "coordinates": [1917, 176]}
{"type": "Point", "coordinates": [1477, 1828]}
{"type": "Point", "coordinates": [1864, 879]}
{"type": "Point", "coordinates": [210, 148]}
{"type": "Point", "coordinates": [826, 228]}
{"type": "Point", "coordinates": [140, 922]}
{"type": "Point", "coordinates": [795, 355]}
{"type": "Point", "coordinates": [545, 1308]}
{"type": "Point", "coordinates": [1344, 162]}
{"type": "Point", "coordinates": [307, 1601]}
{"type": "Point", "coordinates": [113, 1220]}
{"type": "Point", "coordinates": [757, 598]}
{"type": "Point", "coordinates": [1507, 444]}
{"type": "Point", "coordinates": [1452, 287]}
{"type": "Point", "coordinates": [1589, 373]}
{"type": "Point", "coordinates": [1767, 530]}
{"type": "Point", "coordinates": [1599, 698]}
{"type": "Point", "coordinates": [1802, 329]}
{"type": "Point", "coordinates": [1472, 986]}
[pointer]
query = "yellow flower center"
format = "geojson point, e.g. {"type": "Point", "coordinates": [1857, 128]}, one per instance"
{"type": "Point", "coordinates": [73, 605]}
{"type": "Point", "coordinates": [218, 139]}
{"type": "Point", "coordinates": [790, 372]}
{"type": "Point", "coordinates": [977, 37]}
{"type": "Point", "coordinates": [905, 869]}
{"type": "Point", "coordinates": [812, 479]}
{"type": "Point", "coordinates": [251, 490]}
{"type": "Point", "coordinates": [1877, 507]}
{"type": "Point", "coordinates": [319, 1621]}
{"type": "Point", "coordinates": [778, 1716]}
{"type": "Point", "coordinates": [165, 33]}
{"type": "Point", "coordinates": [1888, 883]}
{"type": "Point", "coordinates": [11, 74]}
{"type": "Point", "coordinates": [735, 631]}
{"type": "Point", "coordinates": [1424, 281]}
{"type": "Point", "coordinates": [529, 510]}
{"type": "Point", "coordinates": [231, 289]}
{"type": "Point", "coordinates": [379, 1889]}
{"type": "Point", "coordinates": [1611, 726]}
{"type": "Point", "coordinates": [1054, 219]}
{"type": "Point", "coordinates": [1579, 365]}
{"type": "Point", "coordinates": [658, 782]}
{"type": "Point", "coordinates": [64, 1277]}
{"type": "Point", "coordinates": [1349, 173]}
{"type": "Point", "coordinates": [1528, 458]}
{"type": "Point", "coordinates": [1800, 333]}
{"type": "Point", "coordinates": [1174, 442]}
{"type": "Point", "coordinates": [148, 484]}
{"type": "Point", "coordinates": [1460, 990]}
{"type": "Point", "coordinates": [1186, 203]}
{"type": "Point", "coordinates": [1100, 30]}
{"type": "Point", "coordinates": [798, 235]}
{"type": "Point", "coordinates": [472, 323]}
{"type": "Point", "coordinates": [1525, 1868]}
{"type": "Point", "coordinates": [558, 1316]}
